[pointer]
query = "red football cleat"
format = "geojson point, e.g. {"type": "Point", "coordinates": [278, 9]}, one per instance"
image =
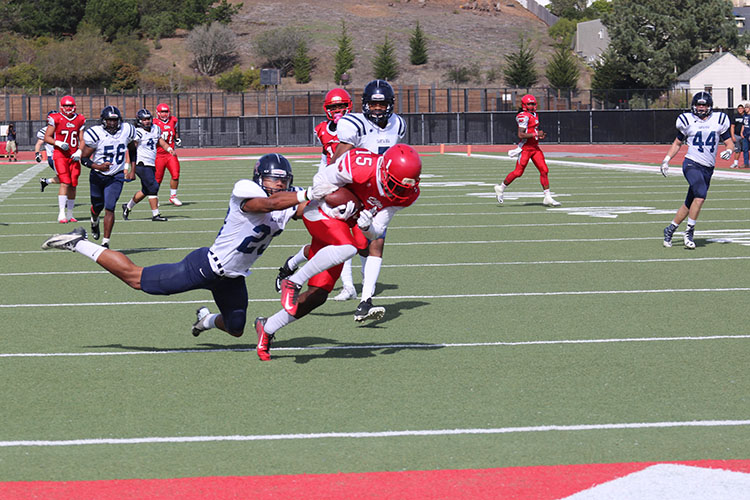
{"type": "Point", "coordinates": [264, 340]}
{"type": "Point", "coordinates": [290, 296]}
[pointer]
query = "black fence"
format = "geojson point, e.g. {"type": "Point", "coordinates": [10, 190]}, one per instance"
{"type": "Point", "coordinates": [598, 126]}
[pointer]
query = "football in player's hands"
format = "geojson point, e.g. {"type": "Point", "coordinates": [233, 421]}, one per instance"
{"type": "Point", "coordinates": [341, 196]}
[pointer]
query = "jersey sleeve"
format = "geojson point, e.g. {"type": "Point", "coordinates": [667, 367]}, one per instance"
{"type": "Point", "coordinates": [682, 125]}
{"type": "Point", "coordinates": [349, 129]}
{"type": "Point", "coordinates": [338, 173]}
{"type": "Point", "coordinates": [245, 189]}
{"type": "Point", "coordinates": [401, 127]}
{"type": "Point", "coordinates": [522, 120]}
{"type": "Point", "coordinates": [91, 138]}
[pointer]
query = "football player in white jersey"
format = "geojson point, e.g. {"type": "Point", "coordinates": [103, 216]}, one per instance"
{"type": "Point", "coordinates": [376, 129]}
{"type": "Point", "coordinates": [259, 210]}
{"type": "Point", "coordinates": [702, 129]}
{"type": "Point", "coordinates": [110, 166]}
{"type": "Point", "coordinates": [143, 151]}
{"type": "Point", "coordinates": [49, 150]}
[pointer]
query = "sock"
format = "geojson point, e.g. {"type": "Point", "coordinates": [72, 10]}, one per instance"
{"type": "Point", "coordinates": [547, 194]}
{"type": "Point", "coordinates": [131, 204]}
{"type": "Point", "coordinates": [89, 249]}
{"type": "Point", "coordinates": [154, 212]}
{"type": "Point", "coordinates": [278, 321]}
{"type": "Point", "coordinates": [346, 274]}
{"type": "Point", "coordinates": [734, 164]}
{"type": "Point", "coordinates": [297, 259]}
{"type": "Point", "coordinates": [209, 321]}
{"type": "Point", "coordinates": [105, 241]}
{"type": "Point", "coordinates": [69, 208]}
{"type": "Point", "coordinates": [691, 222]}
{"type": "Point", "coordinates": [675, 224]}
{"type": "Point", "coordinates": [502, 186]}
{"type": "Point", "coordinates": [372, 271]}
{"type": "Point", "coordinates": [62, 202]}
{"type": "Point", "coordinates": [172, 192]}
{"type": "Point", "coordinates": [326, 258]}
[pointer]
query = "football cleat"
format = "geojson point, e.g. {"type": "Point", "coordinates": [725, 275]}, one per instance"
{"type": "Point", "coordinates": [290, 296]}
{"type": "Point", "coordinates": [43, 183]}
{"type": "Point", "coordinates": [105, 244]}
{"type": "Point", "coordinates": [668, 233]}
{"type": "Point", "coordinates": [550, 202]}
{"type": "Point", "coordinates": [65, 241]}
{"type": "Point", "coordinates": [95, 229]}
{"type": "Point", "coordinates": [72, 219]}
{"type": "Point", "coordinates": [201, 313]}
{"type": "Point", "coordinates": [688, 238]}
{"type": "Point", "coordinates": [62, 221]}
{"type": "Point", "coordinates": [175, 201]}
{"type": "Point", "coordinates": [264, 340]}
{"type": "Point", "coordinates": [365, 310]}
{"type": "Point", "coordinates": [284, 272]}
{"type": "Point", "coordinates": [499, 193]}
{"type": "Point", "coordinates": [125, 211]}
{"type": "Point", "coordinates": [159, 218]}
{"type": "Point", "coordinates": [347, 293]}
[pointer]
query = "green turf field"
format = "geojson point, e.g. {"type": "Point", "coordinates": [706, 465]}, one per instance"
{"type": "Point", "coordinates": [515, 335]}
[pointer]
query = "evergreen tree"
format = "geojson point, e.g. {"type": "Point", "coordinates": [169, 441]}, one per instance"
{"type": "Point", "coordinates": [519, 70]}
{"type": "Point", "coordinates": [418, 47]}
{"type": "Point", "coordinates": [385, 66]}
{"type": "Point", "coordinates": [302, 64]}
{"type": "Point", "coordinates": [344, 58]}
{"type": "Point", "coordinates": [562, 70]}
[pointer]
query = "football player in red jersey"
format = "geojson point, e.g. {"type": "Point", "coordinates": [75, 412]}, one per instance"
{"type": "Point", "coordinates": [530, 134]}
{"type": "Point", "coordinates": [164, 159]}
{"type": "Point", "coordinates": [337, 103]}
{"type": "Point", "coordinates": [64, 132]}
{"type": "Point", "coordinates": [384, 184]}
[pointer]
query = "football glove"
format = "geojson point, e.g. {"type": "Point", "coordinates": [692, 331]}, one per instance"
{"type": "Point", "coordinates": [726, 154]}
{"type": "Point", "coordinates": [320, 191]}
{"type": "Point", "coordinates": [178, 142]}
{"type": "Point", "coordinates": [664, 168]}
{"type": "Point", "coordinates": [76, 156]}
{"type": "Point", "coordinates": [62, 145]}
{"type": "Point", "coordinates": [343, 212]}
{"type": "Point", "coordinates": [364, 221]}
{"type": "Point", "coordinates": [38, 157]}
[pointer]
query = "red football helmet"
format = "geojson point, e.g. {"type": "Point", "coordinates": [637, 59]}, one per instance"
{"type": "Point", "coordinates": [68, 106]}
{"type": "Point", "coordinates": [400, 168]}
{"type": "Point", "coordinates": [162, 111]}
{"type": "Point", "coordinates": [334, 104]}
{"type": "Point", "coordinates": [528, 100]}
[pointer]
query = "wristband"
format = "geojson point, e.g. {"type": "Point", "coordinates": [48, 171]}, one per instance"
{"type": "Point", "coordinates": [59, 144]}
{"type": "Point", "coordinates": [302, 196]}
{"type": "Point", "coordinates": [170, 150]}
{"type": "Point", "coordinates": [86, 162]}
{"type": "Point", "coordinates": [127, 167]}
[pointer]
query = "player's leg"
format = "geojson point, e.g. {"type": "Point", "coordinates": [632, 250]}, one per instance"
{"type": "Point", "coordinates": [61, 166]}
{"type": "Point", "coordinates": [112, 191]}
{"type": "Point", "coordinates": [173, 166]}
{"type": "Point", "coordinates": [517, 172]}
{"type": "Point", "coordinates": [371, 270]}
{"type": "Point", "coordinates": [291, 264]}
{"type": "Point", "coordinates": [541, 164]}
{"type": "Point", "coordinates": [347, 291]}
{"type": "Point", "coordinates": [96, 192]}
{"type": "Point", "coordinates": [75, 172]}
{"type": "Point", "coordinates": [230, 296]}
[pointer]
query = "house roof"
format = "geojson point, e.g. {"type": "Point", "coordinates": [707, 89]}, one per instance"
{"type": "Point", "coordinates": [690, 73]}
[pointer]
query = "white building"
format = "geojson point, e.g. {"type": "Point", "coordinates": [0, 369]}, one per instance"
{"type": "Point", "coordinates": [591, 40]}
{"type": "Point", "coordinates": [722, 74]}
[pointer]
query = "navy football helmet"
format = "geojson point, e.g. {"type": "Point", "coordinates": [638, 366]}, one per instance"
{"type": "Point", "coordinates": [702, 98]}
{"type": "Point", "coordinates": [378, 91]}
{"type": "Point", "coordinates": [275, 166]}
{"type": "Point", "coordinates": [141, 115]}
{"type": "Point", "coordinates": [111, 119]}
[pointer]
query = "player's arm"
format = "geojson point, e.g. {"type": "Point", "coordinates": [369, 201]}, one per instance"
{"type": "Point", "coordinates": [277, 201]}
{"type": "Point", "coordinates": [129, 167]}
{"type": "Point", "coordinates": [86, 160]}
{"type": "Point", "coordinates": [375, 225]}
{"type": "Point", "coordinates": [49, 135]}
{"type": "Point", "coordinates": [166, 147]}
{"type": "Point", "coordinates": [341, 150]}
{"type": "Point", "coordinates": [524, 134]}
{"type": "Point", "coordinates": [728, 141]}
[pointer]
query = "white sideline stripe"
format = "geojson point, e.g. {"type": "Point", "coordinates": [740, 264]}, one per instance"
{"type": "Point", "coordinates": [375, 346]}
{"type": "Point", "coordinates": [405, 297]}
{"type": "Point", "coordinates": [381, 434]}
{"type": "Point", "coordinates": [12, 185]}
{"type": "Point", "coordinates": [458, 264]}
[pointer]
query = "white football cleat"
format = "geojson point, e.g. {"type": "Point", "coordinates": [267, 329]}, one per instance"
{"type": "Point", "coordinates": [499, 193]}
{"type": "Point", "coordinates": [550, 202]}
{"type": "Point", "coordinates": [175, 201]}
{"type": "Point", "coordinates": [65, 241]}
{"type": "Point", "coordinates": [201, 313]}
{"type": "Point", "coordinates": [347, 293]}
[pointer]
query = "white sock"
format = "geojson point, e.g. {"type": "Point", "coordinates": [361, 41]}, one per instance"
{"type": "Point", "coordinates": [209, 321]}
{"type": "Point", "coordinates": [131, 204]}
{"type": "Point", "coordinates": [105, 241]}
{"type": "Point", "coordinates": [547, 193]}
{"type": "Point", "coordinates": [326, 258]}
{"type": "Point", "coordinates": [154, 212]}
{"type": "Point", "coordinates": [502, 187]}
{"type": "Point", "coordinates": [346, 275]}
{"type": "Point", "coordinates": [691, 222]}
{"type": "Point", "coordinates": [62, 202]}
{"type": "Point", "coordinates": [89, 249]}
{"type": "Point", "coordinates": [734, 163]}
{"type": "Point", "coordinates": [278, 321]}
{"type": "Point", "coordinates": [69, 208]}
{"type": "Point", "coordinates": [173, 192]}
{"type": "Point", "coordinates": [297, 259]}
{"type": "Point", "coordinates": [372, 271]}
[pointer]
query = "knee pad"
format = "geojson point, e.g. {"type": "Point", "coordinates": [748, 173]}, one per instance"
{"type": "Point", "coordinates": [235, 322]}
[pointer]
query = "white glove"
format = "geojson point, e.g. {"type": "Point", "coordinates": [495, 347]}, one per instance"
{"type": "Point", "coordinates": [726, 154]}
{"type": "Point", "coordinates": [514, 152]}
{"type": "Point", "coordinates": [343, 212]}
{"type": "Point", "coordinates": [62, 145]}
{"type": "Point", "coordinates": [364, 221]}
{"type": "Point", "coordinates": [320, 191]}
{"type": "Point", "coordinates": [76, 156]}
{"type": "Point", "coordinates": [178, 142]}
{"type": "Point", "coordinates": [664, 168]}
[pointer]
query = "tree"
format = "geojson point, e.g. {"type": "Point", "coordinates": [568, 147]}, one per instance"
{"type": "Point", "coordinates": [563, 32]}
{"type": "Point", "coordinates": [224, 12]}
{"type": "Point", "coordinates": [344, 58]}
{"type": "Point", "coordinates": [279, 47]}
{"type": "Point", "coordinates": [236, 80]}
{"type": "Point", "coordinates": [385, 65]}
{"type": "Point", "coordinates": [302, 64]}
{"type": "Point", "coordinates": [213, 47]}
{"type": "Point", "coordinates": [562, 70]}
{"type": "Point", "coordinates": [113, 17]}
{"type": "Point", "coordinates": [571, 9]}
{"type": "Point", "coordinates": [519, 70]}
{"type": "Point", "coordinates": [43, 17]}
{"type": "Point", "coordinates": [656, 41]}
{"type": "Point", "coordinates": [418, 47]}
